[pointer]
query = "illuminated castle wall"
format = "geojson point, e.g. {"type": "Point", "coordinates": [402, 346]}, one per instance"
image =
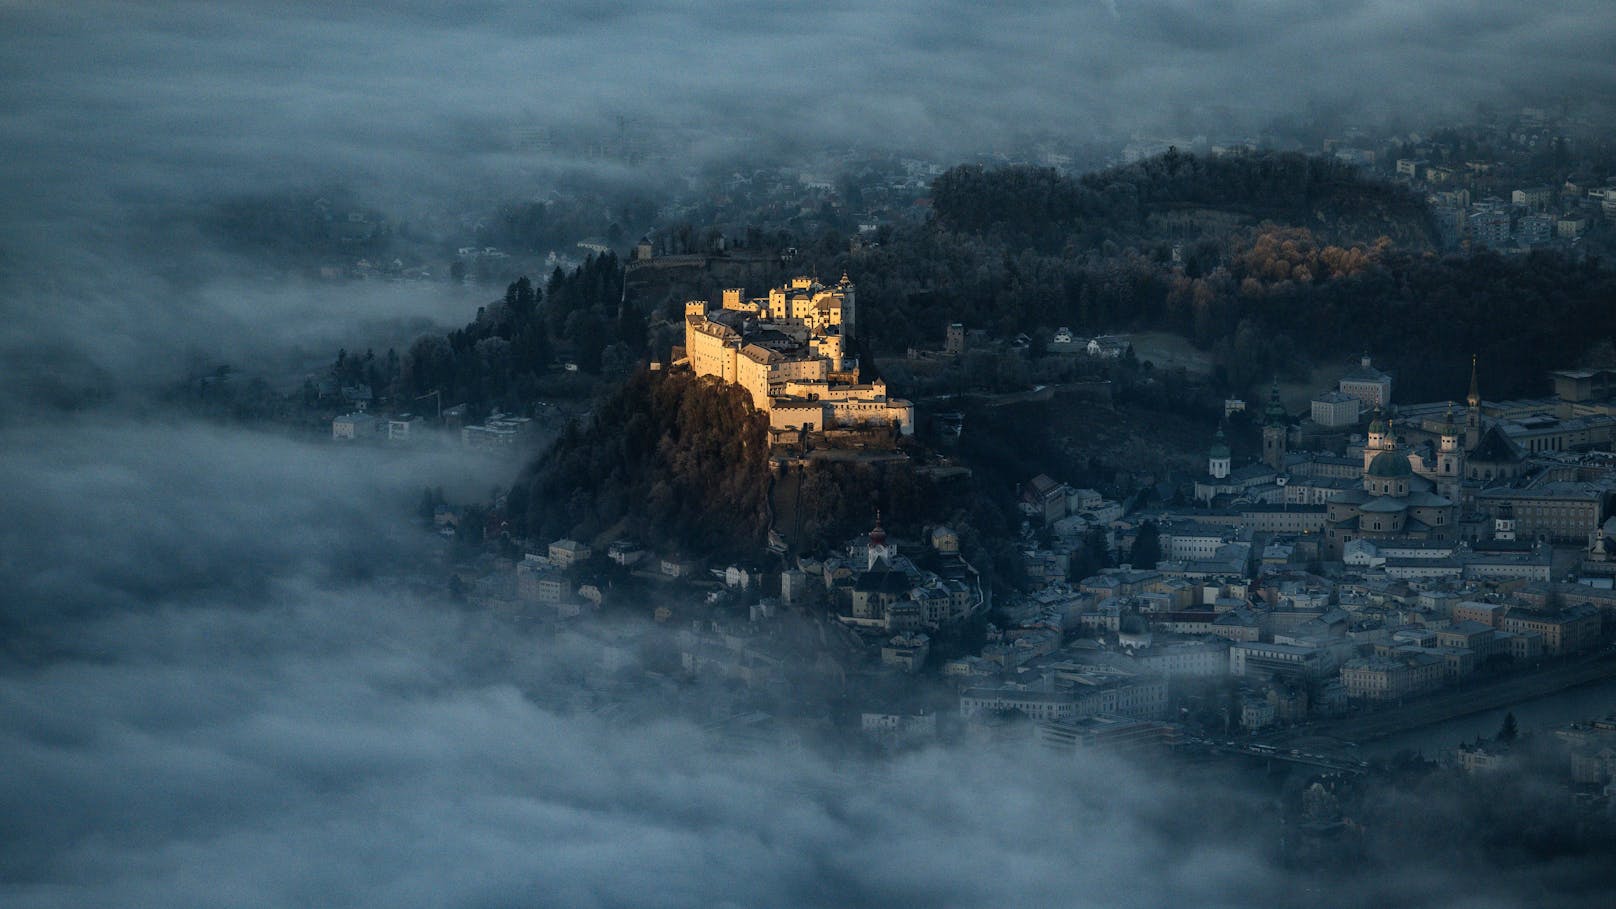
{"type": "Point", "coordinates": [789, 351]}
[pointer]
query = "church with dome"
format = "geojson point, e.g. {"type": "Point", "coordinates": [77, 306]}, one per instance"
{"type": "Point", "coordinates": [1436, 475]}
{"type": "Point", "coordinates": [1253, 482]}
{"type": "Point", "coordinates": [1396, 502]}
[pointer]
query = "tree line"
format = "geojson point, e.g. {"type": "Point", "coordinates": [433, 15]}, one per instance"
{"type": "Point", "coordinates": [505, 358]}
{"type": "Point", "coordinates": [1276, 263]}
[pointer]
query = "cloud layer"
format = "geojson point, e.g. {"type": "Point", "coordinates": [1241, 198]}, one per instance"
{"type": "Point", "coordinates": [338, 752]}
{"type": "Point", "coordinates": [220, 685]}
{"type": "Point", "coordinates": [228, 677]}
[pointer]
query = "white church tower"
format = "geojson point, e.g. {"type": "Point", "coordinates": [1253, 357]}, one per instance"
{"type": "Point", "coordinates": [1217, 460]}
{"type": "Point", "coordinates": [881, 553]}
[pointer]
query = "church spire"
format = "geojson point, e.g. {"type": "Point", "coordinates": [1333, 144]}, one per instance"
{"type": "Point", "coordinates": [878, 551]}
{"type": "Point", "coordinates": [1472, 421]}
{"type": "Point", "coordinates": [1274, 430]}
{"type": "Point", "coordinates": [1274, 415]}
{"type": "Point", "coordinates": [1377, 426]}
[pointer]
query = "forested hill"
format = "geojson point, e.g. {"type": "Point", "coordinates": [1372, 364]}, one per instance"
{"type": "Point", "coordinates": [681, 464]}
{"type": "Point", "coordinates": [678, 462]}
{"type": "Point", "coordinates": [1276, 264]}
{"type": "Point", "coordinates": [510, 355]}
{"type": "Point", "coordinates": [1038, 206]}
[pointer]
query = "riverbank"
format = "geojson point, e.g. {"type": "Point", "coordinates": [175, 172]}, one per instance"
{"type": "Point", "coordinates": [1451, 705]}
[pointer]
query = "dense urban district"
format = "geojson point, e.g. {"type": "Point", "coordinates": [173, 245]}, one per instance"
{"type": "Point", "coordinates": [1223, 454]}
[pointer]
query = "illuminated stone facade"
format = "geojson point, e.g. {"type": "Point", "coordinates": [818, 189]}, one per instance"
{"type": "Point", "coordinates": [789, 350]}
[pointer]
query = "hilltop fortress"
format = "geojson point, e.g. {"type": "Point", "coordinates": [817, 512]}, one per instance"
{"type": "Point", "coordinates": [791, 352]}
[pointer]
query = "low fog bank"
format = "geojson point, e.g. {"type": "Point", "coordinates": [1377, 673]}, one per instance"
{"type": "Point", "coordinates": [358, 748]}
{"type": "Point", "coordinates": [421, 99]}
{"type": "Point", "coordinates": [111, 512]}
{"type": "Point", "coordinates": [229, 677]}
{"type": "Point", "coordinates": [138, 335]}
{"type": "Point", "coordinates": [336, 750]}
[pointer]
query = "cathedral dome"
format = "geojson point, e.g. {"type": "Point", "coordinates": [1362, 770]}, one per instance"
{"type": "Point", "coordinates": [1390, 464]}
{"type": "Point", "coordinates": [1220, 449]}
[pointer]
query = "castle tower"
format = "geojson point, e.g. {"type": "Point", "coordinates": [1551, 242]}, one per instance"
{"type": "Point", "coordinates": [849, 308]}
{"type": "Point", "coordinates": [1217, 459]}
{"type": "Point", "coordinates": [1274, 430]}
{"type": "Point", "coordinates": [1472, 427]}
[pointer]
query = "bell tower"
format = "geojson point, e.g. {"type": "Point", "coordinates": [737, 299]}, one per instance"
{"type": "Point", "coordinates": [1449, 458]}
{"type": "Point", "coordinates": [845, 288]}
{"type": "Point", "coordinates": [1274, 430]}
{"type": "Point", "coordinates": [1380, 439]}
{"type": "Point", "coordinates": [1472, 427]}
{"type": "Point", "coordinates": [1217, 459]}
{"type": "Point", "coordinates": [879, 552]}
